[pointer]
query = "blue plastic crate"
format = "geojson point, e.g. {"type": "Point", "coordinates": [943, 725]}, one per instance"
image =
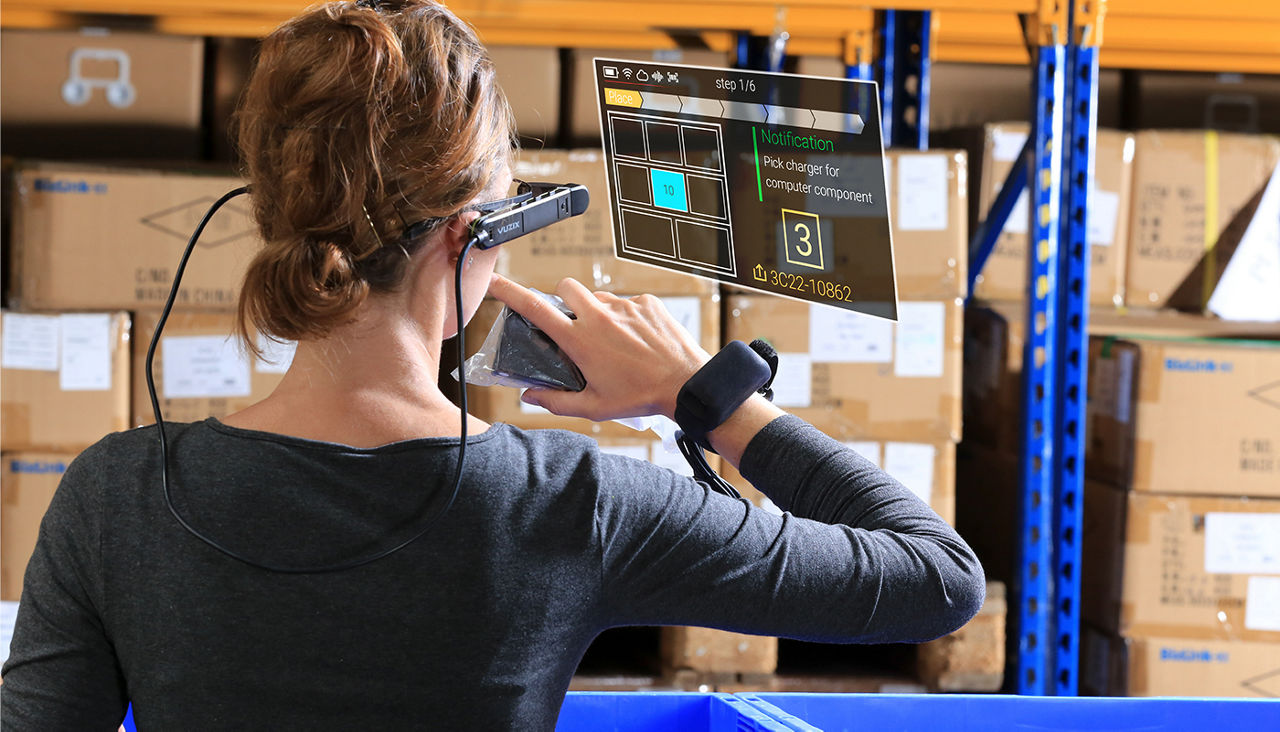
{"type": "Point", "coordinates": [585, 711]}
{"type": "Point", "coordinates": [980, 713]}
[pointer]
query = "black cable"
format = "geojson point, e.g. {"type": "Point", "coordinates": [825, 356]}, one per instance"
{"type": "Point", "coordinates": [164, 445]}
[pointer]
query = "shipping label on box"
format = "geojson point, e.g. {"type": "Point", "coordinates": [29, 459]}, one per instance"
{"type": "Point", "coordinates": [1005, 275]}
{"type": "Point", "coordinates": [1185, 416]}
{"type": "Point", "coordinates": [699, 315]}
{"type": "Point", "coordinates": [201, 369]}
{"type": "Point", "coordinates": [111, 238]}
{"type": "Point", "coordinates": [66, 379]}
{"type": "Point", "coordinates": [854, 376]}
{"type": "Point", "coordinates": [1188, 187]}
{"type": "Point", "coordinates": [27, 483]}
{"type": "Point", "coordinates": [1192, 566]}
{"type": "Point", "coordinates": [582, 247]}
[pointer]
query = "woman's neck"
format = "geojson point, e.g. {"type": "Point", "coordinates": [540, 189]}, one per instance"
{"type": "Point", "coordinates": [371, 382]}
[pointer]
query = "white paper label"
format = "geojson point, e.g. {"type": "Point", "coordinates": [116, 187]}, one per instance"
{"type": "Point", "coordinates": [8, 616]}
{"type": "Point", "coordinates": [1242, 543]}
{"type": "Point", "coordinates": [30, 342]}
{"type": "Point", "coordinates": [1262, 604]}
{"type": "Point", "coordinates": [86, 352]}
{"type": "Point", "coordinates": [638, 452]}
{"type": "Point", "coordinates": [795, 375]}
{"type": "Point", "coordinates": [1019, 217]}
{"type": "Point", "coordinates": [688, 312]}
{"type": "Point", "coordinates": [199, 367]}
{"type": "Point", "coordinates": [1005, 146]}
{"type": "Point", "coordinates": [868, 450]}
{"type": "Point", "coordinates": [842, 336]}
{"type": "Point", "coordinates": [921, 332]}
{"type": "Point", "coordinates": [1247, 289]}
{"type": "Point", "coordinates": [1104, 207]}
{"type": "Point", "coordinates": [922, 192]}
{"type": "Point", "coordinates": [277, 356]}
{"type": "Point", "coordinates": [670, 459]}
{"type": "Point", "coordinates": [912, 464]}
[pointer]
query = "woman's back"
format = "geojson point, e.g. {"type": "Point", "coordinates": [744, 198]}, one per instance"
{"type": "Point", "coordinates": [478, 624]}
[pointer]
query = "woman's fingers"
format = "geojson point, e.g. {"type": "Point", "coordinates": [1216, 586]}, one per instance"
{"type": "Point", "coordinates": [529, 304]}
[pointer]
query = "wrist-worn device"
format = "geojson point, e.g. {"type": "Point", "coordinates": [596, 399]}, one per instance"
{"type": "Point", "coordinates": [713, 393]}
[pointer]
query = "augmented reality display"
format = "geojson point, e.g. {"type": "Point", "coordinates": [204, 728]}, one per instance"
{"type": "Point", "coordinates": [773, 182]}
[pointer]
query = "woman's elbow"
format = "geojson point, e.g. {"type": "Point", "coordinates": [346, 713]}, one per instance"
{"type": "Point", "coordinates": [966, 592]}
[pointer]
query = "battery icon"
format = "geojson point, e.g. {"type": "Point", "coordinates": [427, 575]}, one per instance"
{"type": "Point", "coordinates": [611, 72]}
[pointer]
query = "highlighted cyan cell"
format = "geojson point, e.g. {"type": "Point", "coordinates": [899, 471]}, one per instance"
{"type": "Point", "coordinates": [668, 190]}
{"type": "Point", "coordinates": [622, 98]}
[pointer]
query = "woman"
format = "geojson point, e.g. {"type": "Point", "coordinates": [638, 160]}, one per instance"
{"type": "Point", "coordinates": [362, 121]}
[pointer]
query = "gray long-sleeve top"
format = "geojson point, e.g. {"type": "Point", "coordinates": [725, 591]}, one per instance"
{"type": "Point", "coordinates": [477, 625]}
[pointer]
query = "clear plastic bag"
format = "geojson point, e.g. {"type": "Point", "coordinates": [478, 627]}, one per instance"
{"type": "Point", "coordinates": [516, 353]}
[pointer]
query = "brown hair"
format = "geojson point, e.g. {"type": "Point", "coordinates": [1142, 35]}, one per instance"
{"type": "Point", "coordinates": [361, 118]}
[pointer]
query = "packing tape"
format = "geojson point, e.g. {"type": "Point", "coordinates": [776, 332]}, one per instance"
{"type": "Point", "coordinates": [1210, 216]}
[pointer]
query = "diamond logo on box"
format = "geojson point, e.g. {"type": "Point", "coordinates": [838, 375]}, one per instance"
{"type": "Point", "coordinates": [232, 222]}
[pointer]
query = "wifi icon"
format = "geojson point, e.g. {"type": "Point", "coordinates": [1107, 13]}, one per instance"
{"type": "Point", "coordinates": [626, 73]}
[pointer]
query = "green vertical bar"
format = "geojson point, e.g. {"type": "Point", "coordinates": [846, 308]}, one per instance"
{"type": "Point", "coordinates": [756, 148]}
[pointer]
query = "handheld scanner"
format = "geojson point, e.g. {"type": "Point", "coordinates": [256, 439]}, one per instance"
{"type": "Point", "coordinates": [536, 206]}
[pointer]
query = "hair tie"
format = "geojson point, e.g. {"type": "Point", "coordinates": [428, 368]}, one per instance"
{"type": "Point", "coordinates": [374, 5]}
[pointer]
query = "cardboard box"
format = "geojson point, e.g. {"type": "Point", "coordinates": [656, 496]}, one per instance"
{"type": "Point", "coordinates": [1005, 275]}
{"type": "Point", "coordinates": [98, 238]}
{"type": "Point", "coordinates": [201, 369]}
{"type": "Point", "coordinates": [856, 377]}
{"type": "Point", "coordinates": [27, 483]}
{"type": "Point", "coordinates": [95, 93]}
{"type": "Point", "coordinates": [530, 77]}
{"type": "Point", "coordinates": [967, 95]}
{"type": "Point", "coordinates": [930, 261]}
{"type": "Point", "coordinates": [1112, 665]}
{"type": "Point", "coordinates": [993, 351]}
{"type": "Point", "coordinates": [717, 651]}
{"type": "Point", "coordinates": [66, 379]}
{"type": "Point", "coordinates": [582, 247]}
{"type": "Point", "coordinates": [1180, 181]}
{"type": "Point", "coordinates": [701, 315]}
{"type": "Point", "coordinates": [927, 469]}
{"type": "Point", "coordinates": [1187, 566]}
{"type": "Point", "coordinates": [583, 124]}
{"type": "Point", "coordinates": [1189, 100]}
{"type": "Point", "coordinates": [1185, 415]}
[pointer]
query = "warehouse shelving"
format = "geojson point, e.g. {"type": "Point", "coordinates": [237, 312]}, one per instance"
{"type": "Point", "coordinates": [896, 40]}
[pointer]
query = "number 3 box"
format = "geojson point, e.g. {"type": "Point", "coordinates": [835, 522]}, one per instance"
{"type": "Point", "coordinates": [802, 235]}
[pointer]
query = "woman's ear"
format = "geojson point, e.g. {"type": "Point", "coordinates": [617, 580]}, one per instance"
{"type": "Point", "coordinates": [456, 233]}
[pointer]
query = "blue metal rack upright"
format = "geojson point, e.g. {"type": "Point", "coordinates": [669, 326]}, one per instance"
{"type": "Point", "coordinates": [1056, 169]}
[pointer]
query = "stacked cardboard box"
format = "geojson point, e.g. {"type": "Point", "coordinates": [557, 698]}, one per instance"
{"type": "Point", "coordinates": [1004, 278]}
{"type": "Point", "coordinates": [93, 253]}
{"type": "Point", "coordinates": [1182, 515]}
{"type": "Point", "coordinates": [99, 94]}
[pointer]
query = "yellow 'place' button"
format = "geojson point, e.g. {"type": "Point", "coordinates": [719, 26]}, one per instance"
{"type": "Point", "coordinates": [622, 97]}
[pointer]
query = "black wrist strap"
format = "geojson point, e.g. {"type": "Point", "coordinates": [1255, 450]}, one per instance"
{"type": "Point", "coordinates": [714, 393]}
{"type": "Point", "coordinates": [726, 381]}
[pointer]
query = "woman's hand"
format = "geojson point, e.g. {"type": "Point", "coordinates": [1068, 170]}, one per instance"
{"type": "Point", "coordinates": [633, 354]}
